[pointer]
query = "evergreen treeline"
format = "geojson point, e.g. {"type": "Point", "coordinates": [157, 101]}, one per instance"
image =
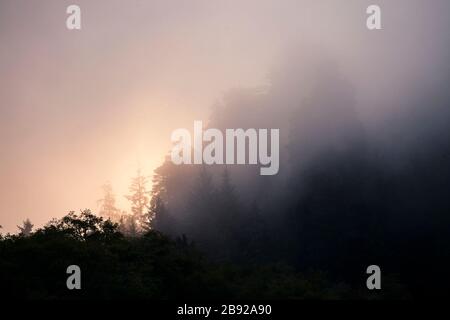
{"type": "Point", "coordinates": [151, 266]}
{"type": "Point", "coordinates": [346, 197]}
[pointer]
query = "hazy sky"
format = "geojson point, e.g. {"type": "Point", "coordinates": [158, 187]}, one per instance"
{"type": "Point", "coordinates": [79, 108]}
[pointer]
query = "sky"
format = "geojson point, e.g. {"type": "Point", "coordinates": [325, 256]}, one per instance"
{"type": "Point", "coordinates": [79, 108]}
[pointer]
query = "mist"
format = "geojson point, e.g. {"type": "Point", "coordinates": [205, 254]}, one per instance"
{"type": "Point", "coordinates": [362, 177]}
{"type": "Point", "coordinates": [82, 108]}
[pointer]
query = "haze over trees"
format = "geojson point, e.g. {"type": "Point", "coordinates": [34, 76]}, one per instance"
{"type": "Point", "coordinates": [108, 208]}
{"type": "Point", "coordinates": [138, 220]}
{"type": "Point", "coordinates": [151, 266]}
{"type": "Point", "coordinates": [345, 197]}
{"type": "Point", "coordinates": [342, 197]}
{"type": "Point", "coordinates": [139, 199]}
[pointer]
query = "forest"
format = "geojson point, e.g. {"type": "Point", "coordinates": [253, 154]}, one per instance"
{"type": "Point", "coordinates": [344, 198]}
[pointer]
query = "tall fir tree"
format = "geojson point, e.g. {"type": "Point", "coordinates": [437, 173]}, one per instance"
{"type": "Point", "coordinates": [159, 216]}
{"type": "Point", "coordinates": [128, 225]}
{"type": "Point", "coordinates": [107, 204]}
{"type": "Point", "coordinates": [139, 198]}
{"type": "Point", "coordinates": [26, 229]}
{"type": "Point", "coordinates": [228, 204]}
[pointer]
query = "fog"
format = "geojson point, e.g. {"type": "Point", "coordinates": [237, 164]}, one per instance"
{"type": "Point", "coordinates": [79, 108]}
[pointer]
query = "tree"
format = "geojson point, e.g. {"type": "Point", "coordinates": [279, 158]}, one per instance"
{"type": "Point", "coordinates": [82, 227]}
{"type": "Point", "coordinates": [170, 184]}
{"type": "Point", "coordinates": [201, 219]}
{"type": "Point", "coordinates": [161, 179]}
{"type": "Point", "coordinates": [227, 217]}
{"type": "Point", "coordinates": [128, 225]}
{"type": "Point", "coordinates": [161, 219]}
{"type": "Point", "coordinates": [255, 241]}
{"type": "Point", "coordinates": [26, 228]}
{"type": "Point", "coordinates": [139, 198]}
{"type": "Point", "coordinates": [228, 200]}
{"type": "Point", "coordinates": [203, 200]}
{"type": "Point", "coordinates": [108, 208]}
{"type": "Point", "coordinates": [151, 267]}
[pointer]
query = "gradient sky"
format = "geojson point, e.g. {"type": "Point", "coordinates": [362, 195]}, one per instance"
{"type": "Point", "coordinates": [79, 108]}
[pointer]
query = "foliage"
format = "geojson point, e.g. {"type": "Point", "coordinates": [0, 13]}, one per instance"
{"type": "Point", "coordinates": [151, 266]}
{"type": "Point", "coordinates": [139, 198]}
{"type": "Point", "coordinates": [107, 204]}
{"type": "Point", "coordinates": [26, 228]}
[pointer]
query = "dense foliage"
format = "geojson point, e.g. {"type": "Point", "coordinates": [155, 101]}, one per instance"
{"type": "Point", "coordinates": [151, 266]}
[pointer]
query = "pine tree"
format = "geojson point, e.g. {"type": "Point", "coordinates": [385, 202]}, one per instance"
{"type": "Point", "coordinates": [128, 225]}
{"type": "Point", "coordinates": [203, 199]}
{"type": "Point", "coordinates": [229, 217]}
{"type": "Point", "coordinates": [165, 186]}
{"type": "Point", "coordinates": [26, 228]}
{"type": "Point", "coordinates": [201, 224]}
{"type": "Point", "coordinates": [256, 235]}
{"type": "Point", "coordinates": [230, 210]}
{"type": "Point", "coordinates": [166, 181]}
{"type": "Point", "coordinates": [160, 220]}
{"type": "Point", "coordinates": [108, 208]}
{"type": "Point", "coordinates": [123, 228]}
{"type": "Point", "coordinates": [139, 198]}
{"type": "Point", "coordinates": [228, 197]}
{"type": "Point", "coordinates": [160, 180]}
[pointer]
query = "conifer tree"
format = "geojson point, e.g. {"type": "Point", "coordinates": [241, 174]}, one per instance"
{"type": "Point", "coordinates": [139, 198]}
{"type": "Point", "coordinates": [108, 207]}
{"type": "Point", "coordinates": [26, 228]}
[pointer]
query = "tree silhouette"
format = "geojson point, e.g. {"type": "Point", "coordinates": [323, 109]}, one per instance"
{"type": "Point", "coordinates": [26, 228]}
{"type": "Point", "coordinates": [161, 219]}
{"type": "Point", "coordinates": [107, 204]}
{"type": "Point", "coordinates": [171, 188]}
{"type": "Point", "coordinates": [229, 218]}
{"type": "Point", "coordinates": [148, 267]}
{"type": "Point", "coordinates": [139, 198]}
{"type": "Point", "coordinates": [228, 202]}
{"type": "Point", "coordinates": [128, 225]}
{"type": "Point", "coordinates": [84, 226]}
